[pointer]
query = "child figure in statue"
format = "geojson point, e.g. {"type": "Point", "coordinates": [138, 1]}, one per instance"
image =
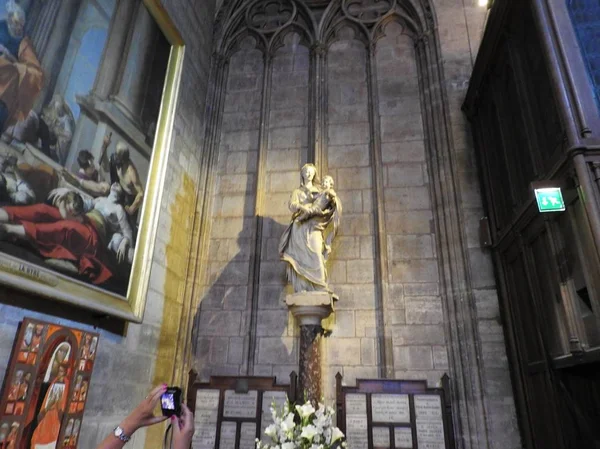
{"type": "Point", "coordinates": [322, 204]}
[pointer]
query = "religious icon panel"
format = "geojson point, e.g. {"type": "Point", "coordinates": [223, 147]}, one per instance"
{"type": "Point", "coordinates": [46, 385]}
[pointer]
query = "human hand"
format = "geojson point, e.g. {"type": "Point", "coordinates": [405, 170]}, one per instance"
{"type": "Point", "coordinates": [106, 140]}
{"type": "Point", "coordinates": [122, 250]}
{"type": "Point", "coordinates": [143, 414]}
{"type": "Point", "coordinates": [183, 429]}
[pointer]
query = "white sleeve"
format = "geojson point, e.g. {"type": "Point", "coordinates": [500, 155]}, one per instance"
{"type": "Point", "coordinates": [124, 226]}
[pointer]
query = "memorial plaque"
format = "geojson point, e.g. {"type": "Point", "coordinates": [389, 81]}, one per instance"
{"type": "Point", "coordinates": [228, 434]}
{"type": "Point", "coordinates": [392, 408]}
{"type": "Point", "coordinates": [381, 438]}
{"type": "Point", "coordinates": [240, 405]}
{"type": "Point", "coordinates": [430, 445]}
{"type": "Point", "coordinates": [428, 407]}
{"type": "Point", "coordinates": [248, 435]}
{"type": "Point", "coordinates": [207, 399]}
{"type": "Point", "coordinates": [269, 398]}
{"type": "Point", "coordinates": [205, 436]}
{"type": "Point", "coordinates": [403, 438]}
{"type": "Point", "coordinates": [356, 404]}
{"type": "Point", "coordinates": [430, 432]}
{"type": "Point", "coordinates": [357, 432]}
{"type": "Point", "coordinates": [205, 419]}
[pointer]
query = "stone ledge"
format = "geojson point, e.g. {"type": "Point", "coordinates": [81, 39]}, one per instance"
{"type": "Point", "coordinates": [309, 308]}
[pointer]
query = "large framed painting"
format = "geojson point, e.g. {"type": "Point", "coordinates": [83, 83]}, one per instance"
{"type": "Point", "coordinates": [45, 387]}
{"type": "Point", "coordinates": [87, 98]}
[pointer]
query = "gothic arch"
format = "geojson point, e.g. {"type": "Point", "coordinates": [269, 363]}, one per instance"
{"type": "Point", "coordinates": [417, 17]}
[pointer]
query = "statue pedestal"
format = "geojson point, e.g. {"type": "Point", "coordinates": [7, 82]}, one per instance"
{"type": "Point", "coordinates": [309, 308]}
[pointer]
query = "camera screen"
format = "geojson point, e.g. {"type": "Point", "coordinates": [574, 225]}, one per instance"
{"type": "Point", "coordinates": [167, 401]}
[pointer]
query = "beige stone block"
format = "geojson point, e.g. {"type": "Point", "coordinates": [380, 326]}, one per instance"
{"type": "Point", "coordinates": [411, 358]}
{"type": "Point", "coordinates": [277, 205]}
{"type": "Point", "coordinates": [416, 270]}
{"type": "Point", "coordinates": [366, 247]}
{"type": "Point", "coordinates": [293, 137]}
{"type": "Point", "coordinates": [354, 297]}
{"type": "Point", "coordinates": [398, 128]}
{"type": "Point", "coordinates": [237, 348]}
{"type": "Point", "coordinates": [396, 296]}
{"type": "Point", "coordinates": [272, 296]}
{"type": "Point", "coordinates": [407, 198]}
{"type": "Point", "coordinates": [345, 247]}
{"type": "Point", "coordinates": [272, 323]}
{"type": "Point", "coordinates": [241, 162]}
{"type": "Point", "coordinates": [396, 316]}
{"type": "Point", "coordinates": [360, 271]}
{"type": "Point", "coordinates": [283, 160]}
{"type": "Point", "coordinates": [422, 289]}
{"type": "Point", "coordinates": [219, 323]}
{"type": "Point", "coordinates": [343, 351]}
{"type": "Point", "coordinates": [336, 271]}
{"type": "Point", "coordinates": [368, 351]}
{"type": "Point", "coordinates": [352, 201]}
{"type": "Point", "coordinates": [424, 310]}
{"type": "Point", "coordinates": [494, 355]}
{"type": "Point", "coordinates": [241, 183]}
{"type": "Point", "coordinates": [352, 373]}
{"type": "Point", "coordinates": [282, 181]}
{"type": "Point", "coordinates": [367, 198]}
{"type": "Point", "coordinates": [231, 273]}
{"type": "Point", "coordinates": [403, 151]}
{"type": "Point", "coordinates": [237, 206]}
{"type": "Point", "coordinates": [218, 351]}
{"type": "Point", "coordinates": [490, 331]}
{"type": "Point", "coordinates": [353, 178]}
{"type": "Point", "coordinates": [356, 225]}
{"type": "Point", "coordinates": [440, 357]}
{"type": "Point", "coordinates": [412, 334]}
{"type": "Point", "coordinates": [404, 175]}
{"type": "Point", "coordinates": [273, 273]}
{"type": "Point", "coordinates": [415, 222]}
{"type": "Point", "coordinates": [486, 302]}
{"type": "Point", "coordinates": [350, 155]}
{"type": "Point", "coordinates": [343, 324]}
{"type": "Point", "coordinates": [277, 350]}
{"type": "Point", "coordinates": [366, 324]}
{"type": "Point", "coordinates": [239, 141]}
{"type": "Point", "coordinates": [403, 247]}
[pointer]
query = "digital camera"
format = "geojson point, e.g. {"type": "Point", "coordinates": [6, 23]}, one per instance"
{"type": "Point", "coordinates": [170, 402]}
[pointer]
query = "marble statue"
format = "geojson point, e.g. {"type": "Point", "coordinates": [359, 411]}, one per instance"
{"type": "Point", "coordinates": [303, 244]}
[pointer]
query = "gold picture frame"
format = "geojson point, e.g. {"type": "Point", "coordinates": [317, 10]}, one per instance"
{"type": "Point", "coordinates": [39, 280]}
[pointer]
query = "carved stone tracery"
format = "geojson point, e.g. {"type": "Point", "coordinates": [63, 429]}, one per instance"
{"type": "Point", "coordinates": [367, 11]}
{"type": "Point", "coordinates": [268, 16]}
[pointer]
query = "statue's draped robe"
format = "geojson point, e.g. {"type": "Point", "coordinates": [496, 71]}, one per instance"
{"type": "Point", "coordinates": [301, 246]}
{"type": "Point", "coordinates": [21, 81]}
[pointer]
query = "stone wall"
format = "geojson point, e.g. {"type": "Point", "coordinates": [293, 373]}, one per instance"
{"type": "Point", "coordinates": [405, 310]}
{"type": "Point", "coordinates": [130, 362]}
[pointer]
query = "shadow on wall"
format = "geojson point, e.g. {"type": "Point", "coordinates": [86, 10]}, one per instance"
{"type": "Point", "coordinates": [223, 336]}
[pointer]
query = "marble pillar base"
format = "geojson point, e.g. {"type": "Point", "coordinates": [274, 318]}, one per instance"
{"type": "Point", "coordinates": [309, 308]}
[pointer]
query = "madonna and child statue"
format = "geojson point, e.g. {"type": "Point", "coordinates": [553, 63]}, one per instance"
{"type": "Point", "coordinates": [306, 243]}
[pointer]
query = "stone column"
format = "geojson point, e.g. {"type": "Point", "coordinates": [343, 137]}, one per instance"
{"type": "Point", "coordinates": [50, 35]}
{"type": "Point", "coordinates": [309, 308]}
{"type": "Point", "coordinates": [136, 70]}
{"type": "Point", "coordinates": [120, 28]}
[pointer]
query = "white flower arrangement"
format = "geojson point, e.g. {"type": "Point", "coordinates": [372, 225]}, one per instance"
{"type": "Point", "coordinates": [302, 427]}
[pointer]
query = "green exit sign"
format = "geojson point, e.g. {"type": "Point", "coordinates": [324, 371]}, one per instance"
{"type": "Point", "coordinates": [549, 199]}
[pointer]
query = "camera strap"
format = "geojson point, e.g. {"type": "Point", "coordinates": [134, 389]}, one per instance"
{"type": "Point", "coordinates": [167, 442]}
